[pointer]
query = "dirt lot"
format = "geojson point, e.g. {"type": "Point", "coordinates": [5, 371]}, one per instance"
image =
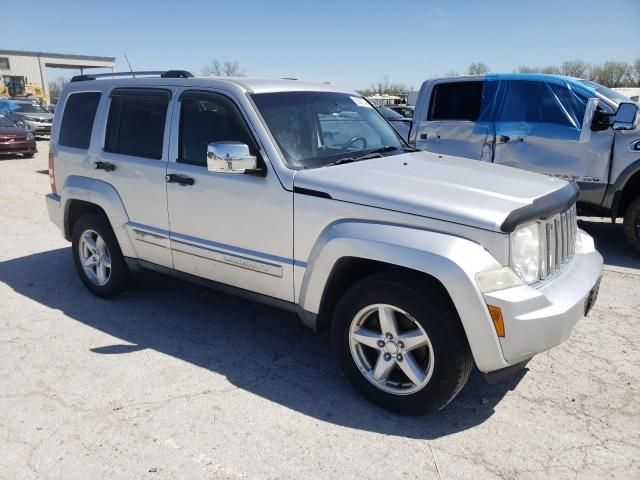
{"type": "Point", "coordinates": [177, 381]}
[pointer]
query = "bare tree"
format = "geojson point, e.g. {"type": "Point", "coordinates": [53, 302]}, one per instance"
{"type": "Point", "coordinates": [636, 67]}
{"type": "Point", "coordinates": [451, 73]}
{"type": "Point", "coordinates": [551, 69]}
{"type": "Point", "coordinates": [56, 86]}
{"type": "Point", "coordinates": [612, 74]}
{"type": "Point", "coordinates": [478, 68]}
{"type": "Point", "coordinates": [384, 87]}
{"type": "Point", "coordinates": [223, 69]}
{"type": "Point", "coordinates": [575, 68]}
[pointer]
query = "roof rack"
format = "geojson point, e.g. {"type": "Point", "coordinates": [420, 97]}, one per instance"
{"type": "Point", "coordinates": [153, 73]}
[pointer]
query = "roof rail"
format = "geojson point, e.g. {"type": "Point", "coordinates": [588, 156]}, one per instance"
{"type": "Point", "coordinates": [152, 73]}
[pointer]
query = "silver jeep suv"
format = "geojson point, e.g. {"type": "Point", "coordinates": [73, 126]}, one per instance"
{"type": "Point", "coordinates": [303, 196]}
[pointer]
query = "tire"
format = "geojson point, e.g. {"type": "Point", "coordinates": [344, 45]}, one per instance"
{"type": "Point", "coordinates": [28, 155]}
{"type": "Point", "coordinates": [445, 360]}
{"type": "Point", "coordinates": [115, 277]}
{"type": "Point", "coordinates": [632, 224]}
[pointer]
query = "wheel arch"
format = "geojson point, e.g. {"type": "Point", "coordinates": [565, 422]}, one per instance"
{"type": "Point", "coordinates": [82, 195]}
{"type": "Point", "coordinates": [349, 251]}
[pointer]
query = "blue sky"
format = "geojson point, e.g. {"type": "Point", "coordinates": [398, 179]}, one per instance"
{"type": "Point", "coordinates": [349, 43]}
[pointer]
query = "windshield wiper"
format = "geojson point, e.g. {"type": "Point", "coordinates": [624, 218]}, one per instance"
{"type": "Point", "coordinates": [375, 153]}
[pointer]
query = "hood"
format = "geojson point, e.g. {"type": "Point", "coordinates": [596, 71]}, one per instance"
{"type": "Point", "coordinates": [38, 115]}
{"type": "Point", "coordinates": [468, 192]}
{"type": "Point", "coordinates": [12, 132]}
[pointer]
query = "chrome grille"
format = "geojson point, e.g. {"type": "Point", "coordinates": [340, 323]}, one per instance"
{"type": "Point", "coordinates": [558, 235]}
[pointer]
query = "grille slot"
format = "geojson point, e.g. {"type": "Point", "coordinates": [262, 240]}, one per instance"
{"type": "Point", "coordinates": [558, 238]}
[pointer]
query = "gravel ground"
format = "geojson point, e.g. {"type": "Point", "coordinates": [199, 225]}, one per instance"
{"type": "Point", "coordinates": [177, 381]}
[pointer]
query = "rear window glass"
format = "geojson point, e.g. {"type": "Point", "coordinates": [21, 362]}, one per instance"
{"type": "Point", "coordinates": [136, 124]}
{"type": "Point", "coordinates": [456, 101]}
{"type": "Point", "coordinates": [77, 121]}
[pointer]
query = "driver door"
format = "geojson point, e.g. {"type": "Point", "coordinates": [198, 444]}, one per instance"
{"type": "Point", "coordinates": [235, 229]}
{"type": "Point", "coordinates": [539, 127]}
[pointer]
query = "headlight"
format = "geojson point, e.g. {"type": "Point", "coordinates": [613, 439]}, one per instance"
{"type": "Point", "coordinates": [525, 252]}
{"type": "Point", "coordinates": [30, 136]}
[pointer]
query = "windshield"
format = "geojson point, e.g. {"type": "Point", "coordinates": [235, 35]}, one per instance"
{"type": "Point", "coordinates": [612, 95]}
{"type": "Point", "coordinates": [314, 129]}
{"type": "Point", "coordinates": [30, 108]}
{"type": "Point", "coordinates": [5, 122]}
{"type": "Point", "coordinates": [387, 112]}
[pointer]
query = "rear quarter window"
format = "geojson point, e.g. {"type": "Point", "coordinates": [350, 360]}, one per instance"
{"type": "Point", "coordinates": [77, 119]}
{"type": "Point", "coordinates": [456, 101]}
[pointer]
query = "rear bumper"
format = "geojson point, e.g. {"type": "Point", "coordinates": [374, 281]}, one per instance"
{"type": "Point", "coordinates": [55, 210]}
{"type": "Point", "coordinates": [537, 319]}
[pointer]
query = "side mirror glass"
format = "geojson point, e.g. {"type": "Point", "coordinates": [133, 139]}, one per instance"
{"type": "Point", "coordinates": [230, 157]}
{"type": "Point", "coordinates": [20, 124]}
{"type": "Point", "coordinates": [626, 117]}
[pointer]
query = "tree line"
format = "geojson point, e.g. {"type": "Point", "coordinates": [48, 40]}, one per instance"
{"type": "Point", "coordinates": [610, 74]}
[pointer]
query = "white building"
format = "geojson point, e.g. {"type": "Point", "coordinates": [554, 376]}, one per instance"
{"type": "Point", "coordinates": [32, 66]}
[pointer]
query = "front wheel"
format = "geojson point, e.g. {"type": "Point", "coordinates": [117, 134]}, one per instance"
{"type": "Point", "coordinates": [632, 224]}
{"type": "Point", "coordinates": [97, 256]}
{"type": "Point", "coordinates": [400, 345]}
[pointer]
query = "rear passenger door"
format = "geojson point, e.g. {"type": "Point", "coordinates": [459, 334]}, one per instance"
{"type": "Point", "coordinates": [133, 158]}
{"type": "Point", "coordinates": [454, 123]}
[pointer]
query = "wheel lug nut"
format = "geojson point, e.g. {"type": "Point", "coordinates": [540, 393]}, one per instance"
{"type": "Point", "coordinates": [399, 357]}
{"type": "Point", "coordinates": [381, 343]}
{"type": "Point", "coordinates": [387, 356]}
{"type": "Point", "coordinates": [388, 335]}
{"type": "Point", "coordinates": [401, 345]}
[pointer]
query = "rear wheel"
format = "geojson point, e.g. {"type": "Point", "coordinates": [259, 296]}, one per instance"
{"type": "Point", "coordinates": [97, 256]}
{"type": "Point", "coordinates": [402, 347]}
{"type": "Point", "coordinates": [28, 155]}
{"type": "Point", "coordinates": [632, 224]}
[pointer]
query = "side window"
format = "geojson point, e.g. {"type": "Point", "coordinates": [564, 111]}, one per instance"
{"type": "Point", "coordinates": [533, 102]}
{"type": "Point", "coordinates": [456, 101]}
{"type": "Point", "coordinates": [207, 118]}
{"type": "Point", "coordinates": [77, 120]}
{"type": "Point", "coordinates": [136, 122]}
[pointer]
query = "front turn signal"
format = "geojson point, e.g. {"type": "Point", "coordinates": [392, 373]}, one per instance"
{"type": "Point", "coordinates": [498, 321]}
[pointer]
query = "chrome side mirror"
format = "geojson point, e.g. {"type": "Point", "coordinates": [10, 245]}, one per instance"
{"type": "Point", "coordinates": [626, 117]}
{"type": "Point", "coordinates": [230, 157]}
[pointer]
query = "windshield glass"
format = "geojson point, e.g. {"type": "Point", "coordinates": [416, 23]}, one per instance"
{"type": "Point", "coordinates": [30, 108]}
{"type": "Point", "coordinates": [387, 112]}
{"type": "Point", "coordinates": [612, 95]}
{"type": "Point", "coordinates": [314, 129]}
{"type": "Point", "coordinates": [5, 122]}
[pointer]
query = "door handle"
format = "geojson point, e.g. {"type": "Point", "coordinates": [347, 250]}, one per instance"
{"type": "Point", "coordinates": [106, 166]}
{"type": "Point", "coordinates": [179, 179]}
{"type": "Point", "coordinates": [504, 139]}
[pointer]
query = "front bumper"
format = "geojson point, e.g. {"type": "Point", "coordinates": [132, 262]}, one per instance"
{"type": "Point", "coordinates": [37, 127]}
{"type": "Point", "coordinates": [537, 319]}
{"type": "Point", "coordinates": [18, 146]}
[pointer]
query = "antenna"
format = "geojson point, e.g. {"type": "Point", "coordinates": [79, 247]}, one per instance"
{"type": "Point", "coordinates": [127, 59]}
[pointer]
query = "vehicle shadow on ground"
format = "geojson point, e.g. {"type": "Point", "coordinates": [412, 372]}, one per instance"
{"type": "Point", "coordinates": [260, 349]}
{"type": "Point", "coordinates": [611, 243]}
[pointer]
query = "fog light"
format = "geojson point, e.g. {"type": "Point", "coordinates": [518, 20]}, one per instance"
{"type": "Point", "coordinates": [496, 317]}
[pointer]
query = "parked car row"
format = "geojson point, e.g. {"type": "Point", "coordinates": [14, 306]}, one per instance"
{"type": "Point", "coordinates": [28, 114]}
{"type": "Point", "coordinates": [420, 264]}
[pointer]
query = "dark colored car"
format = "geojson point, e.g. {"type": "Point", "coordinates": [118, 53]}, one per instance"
{"type": "Point", "coordinates": [14, 139]}
{"type": "Point", "coordinates": [401, 124]}
{"type": "Point", "coordinates": [404, 110]}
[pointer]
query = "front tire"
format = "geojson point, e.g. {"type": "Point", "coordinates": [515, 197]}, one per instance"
{"type": "Point", "coordinates": [401, 344]}
{"type": "Point", "coordinates": [632, 224]}
{"type": "Point", "coordinates": [98, 258]}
